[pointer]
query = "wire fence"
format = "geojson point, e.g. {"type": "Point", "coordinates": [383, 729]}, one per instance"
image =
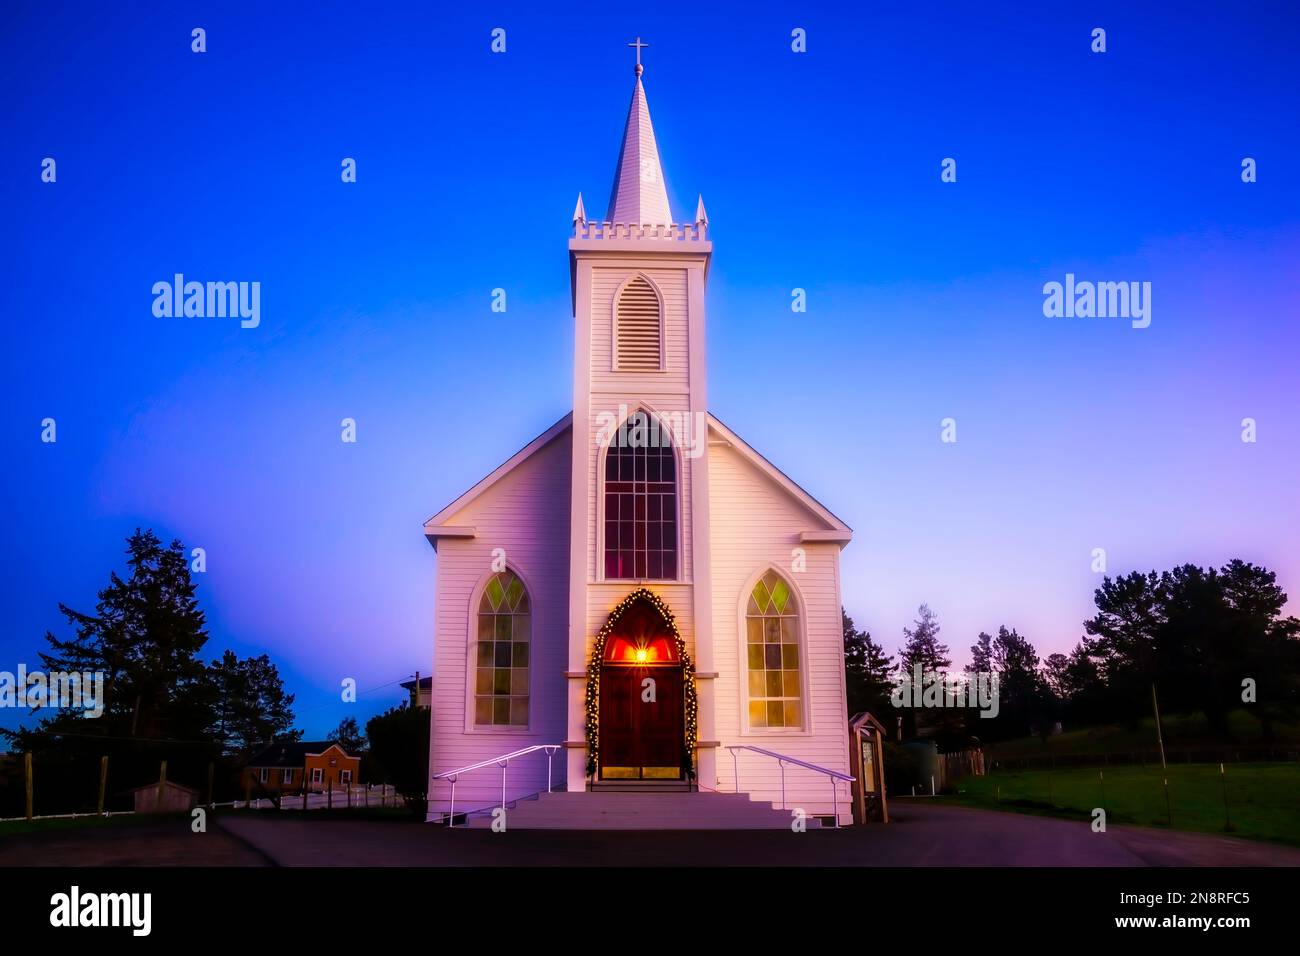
{"type": "Point", "coordinates": [1143, 758]}
{"type": "Point", "coordinates": [38, 787]}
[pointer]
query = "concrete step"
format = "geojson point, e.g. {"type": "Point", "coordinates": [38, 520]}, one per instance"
{"type": "Point", "coordinates": [642, 810]}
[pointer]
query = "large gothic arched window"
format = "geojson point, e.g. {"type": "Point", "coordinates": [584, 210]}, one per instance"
{"type": "Point", "coordinates": [501, 671]}
{"type": "Point", "coordinates": [772, 642]}
{"type": "Point", "coordinates": [641, 501]}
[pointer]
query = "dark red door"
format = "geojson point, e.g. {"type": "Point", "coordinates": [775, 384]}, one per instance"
{"type": "Point", "coordinates": [642, 727]}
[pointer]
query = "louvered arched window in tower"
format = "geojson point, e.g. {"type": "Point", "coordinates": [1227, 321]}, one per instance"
{"type": "Point", "coordinates": [638, 328]}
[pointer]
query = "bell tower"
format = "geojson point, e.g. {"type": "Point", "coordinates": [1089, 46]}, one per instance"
{"type": "Point", "coordinates": [638, 281]}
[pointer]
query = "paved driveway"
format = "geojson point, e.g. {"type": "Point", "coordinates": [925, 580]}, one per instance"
{"type": "Point", "coordinates": [924, 834]}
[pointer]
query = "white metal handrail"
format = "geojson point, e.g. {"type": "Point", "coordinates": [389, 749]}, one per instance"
{"type": "Point", "coordinates": [782, 760]}
{"type": "Point", "coordinates": [503, 762]}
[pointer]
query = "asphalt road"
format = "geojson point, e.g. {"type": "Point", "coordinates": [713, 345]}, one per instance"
{"type": "Point", "coordinates": [923, 834]}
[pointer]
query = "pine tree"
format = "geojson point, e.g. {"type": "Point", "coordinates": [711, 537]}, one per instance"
{"type": "Point", "coordinates": [249, 705]}
{"type": "Point", "coordinates": [348, 735]}
{"type": "Point", "coordinates": [981, 655]}
{"type": "Point", "coordinates": [257, 710]}
{"type": "Point", "coordinates": [867, 670]}
{"type": "Point", "coordinates": [1021, 687]}
{"type": "Point", "coordinates": [145, 637]}
{"type": "Point", "coordinates": [921, 645]}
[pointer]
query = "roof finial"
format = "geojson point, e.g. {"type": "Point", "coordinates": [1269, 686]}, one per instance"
{"type": "Point", "coordinates": [639, 47]}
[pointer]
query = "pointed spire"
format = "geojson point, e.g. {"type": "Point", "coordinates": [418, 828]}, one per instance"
{"type": "Point", "coordinates": [579, 214]}
{"type": "Point", "coordinates": [639, 196]}
{"type": "Point", "coordinates": [701, 217]}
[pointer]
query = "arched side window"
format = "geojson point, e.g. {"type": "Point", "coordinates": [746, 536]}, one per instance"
{"type": "Point", "coordinates": [772, 641]}
{"type": "Point", "coordinates": [641, 501]}
{"type": "Point", "coordinates": [501, 669]}
{"type": "Point", "coordinates": [638, 328]}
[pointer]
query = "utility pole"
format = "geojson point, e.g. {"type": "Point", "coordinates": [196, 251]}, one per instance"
{"type": "Point", "coordinates": [1160, 737]}
{"type": "Point", "coordinates": [103, 783]}
{"type": "Point", "coordinates": [420, 758]}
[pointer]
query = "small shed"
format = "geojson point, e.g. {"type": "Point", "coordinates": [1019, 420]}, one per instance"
{"type": "Point", "coordinates": [175, 798]}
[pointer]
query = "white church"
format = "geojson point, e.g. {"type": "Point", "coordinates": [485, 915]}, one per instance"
{"type": "Point", "coordinates": [638, 615]}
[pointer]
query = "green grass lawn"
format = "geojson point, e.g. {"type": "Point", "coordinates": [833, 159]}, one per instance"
{"type": "Point", "coordinates": [90, 821]}
{"type": "Point", "coordinates": [1181, 731]}
{"type": "Point", "coordinates": [85, 822]}
{"type": "Point", "coordinates": [1263, 800]}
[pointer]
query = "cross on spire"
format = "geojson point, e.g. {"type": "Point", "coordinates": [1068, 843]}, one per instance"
{"type": "Point", "coordinates": [639, 47]}
{"type": "Point", "coordinates": [639, 196]}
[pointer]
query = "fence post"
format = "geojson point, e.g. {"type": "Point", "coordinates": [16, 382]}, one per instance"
{"type": "Point", "coordinates": [349, 794]}
{"type": "Point", "coordinates": [329, 794]}
{"type": "Point", "coordinates": [27, 774]}
{"type": "Point", "coordinates": [103, 783]}
{"type": "Point", "coordinates": [162, 785]}
{"type": "Point", "coordinates": [304, 788]}
{"type": "Point", "coordinates": [211, 773]}
{"type": "Point", "coordinates": [248, 788]}
{"type": "Point", "coordinates": [1227, 818]}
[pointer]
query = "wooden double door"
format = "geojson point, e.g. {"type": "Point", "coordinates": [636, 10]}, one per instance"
{"type": "Point", "coordinates": [642, 722]}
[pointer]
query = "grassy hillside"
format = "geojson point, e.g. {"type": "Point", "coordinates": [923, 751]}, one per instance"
{"type": "Point", "coordinates": [1263, 800]}
{"type": "Point", "coordinates": [1182, 732]}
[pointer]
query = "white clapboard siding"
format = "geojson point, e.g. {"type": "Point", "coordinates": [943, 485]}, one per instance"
{"type": "Point", "coordinates": [527, 514]}
{"type": "Point", "coordinates": [605, 376]}
{"type": "Point", "coordinates": [755, 525]}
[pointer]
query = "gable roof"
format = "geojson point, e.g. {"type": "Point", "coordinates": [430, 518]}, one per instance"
{"type": "Point", "coordinates": [437, 527]}
{"type": "Point", "coordinates": [836, 530]}
{"type": "Point", "coordinates": [292, 753]}
{"type": "Point", "coordinates": [167, 785]}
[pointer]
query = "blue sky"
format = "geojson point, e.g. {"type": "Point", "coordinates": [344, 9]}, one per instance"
{"type": "Point", "coordinates": [819, 170]}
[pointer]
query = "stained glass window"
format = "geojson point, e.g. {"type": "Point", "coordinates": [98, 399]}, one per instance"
{"type": "Point", "coordinates": [641, 502]}
{"type": "Point", "coordinates": [772, 644]}
{"type": "Point", "coordinates": [502, 653]}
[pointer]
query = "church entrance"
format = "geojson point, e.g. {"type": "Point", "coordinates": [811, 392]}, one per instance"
{"type": "Point", "coordinates": [642, 709]}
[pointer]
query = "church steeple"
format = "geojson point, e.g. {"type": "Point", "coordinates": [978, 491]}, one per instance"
{"type": "Point", "coordinates": [638, 280]}
{"type": "Point", "coordinates": [639, 196]}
